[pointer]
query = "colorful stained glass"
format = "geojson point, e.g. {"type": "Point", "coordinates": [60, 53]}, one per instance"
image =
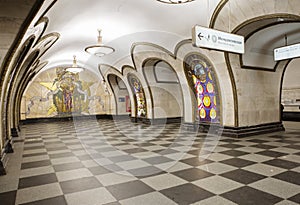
{"type": "Point", "coordinates": [139, 95]}
{"type": "Point", "coordinates": [202, 113]}
{"type": "Point", "coordinates": [200, 89]}
{"type": "Point", "coordinates": [201, 75]}
{"type": "Point", "coordinates": [213, 113]}
{"type": "Point", "coordinates": [206, 101]}
{"type": "Point", "coordinates": [210, 87]}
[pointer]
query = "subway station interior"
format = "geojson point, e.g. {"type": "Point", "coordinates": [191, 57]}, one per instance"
{"type": "Point", "coordinates": [150, 102]}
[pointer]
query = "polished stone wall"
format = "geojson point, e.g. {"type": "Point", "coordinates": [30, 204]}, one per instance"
{"type": "Point", "coordinates": [257, 90]}
{"type": "Point", "coordinates": [12, 15]}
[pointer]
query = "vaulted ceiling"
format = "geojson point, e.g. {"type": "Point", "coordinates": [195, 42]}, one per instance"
{"type": "Point", "coordinates": [68, 26]}
{"type": "Point", "coordinates": [123, 22]}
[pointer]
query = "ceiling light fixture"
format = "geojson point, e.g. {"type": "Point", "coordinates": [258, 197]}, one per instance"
{"type": "Point", "coordinates": [175, 1]}
{"type": "Point", "coordinates": [74, 69]}
{"type": "Point", "coordinates": [99, 49]}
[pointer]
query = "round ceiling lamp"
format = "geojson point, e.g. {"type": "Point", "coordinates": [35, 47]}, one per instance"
{"type": "Point", "coordinates": [74, 69]}
{"type": "Point", "coordinates": [99, 49]}
{"type": "Point", "coordinates": [175, 1]}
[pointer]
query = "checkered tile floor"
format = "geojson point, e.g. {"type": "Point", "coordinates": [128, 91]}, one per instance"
{"type": "Point", "coordinates": [108, 162]}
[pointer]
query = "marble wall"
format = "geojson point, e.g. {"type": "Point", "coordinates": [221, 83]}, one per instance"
{"type": "Point", "coordinates": [12, 15]}
{"type": "Point", "coordinates": [235, 12]}
{"type": "Point", "coordinates": [257, 91]}
{"type": "Point", "coordinates": [248, 97]}
{"type": "Point", "coordinates": [165, 90]}
{"type": "Point", "coordinates": [257, 94]}
{"type": "Point", "coordinates": [120, 95]}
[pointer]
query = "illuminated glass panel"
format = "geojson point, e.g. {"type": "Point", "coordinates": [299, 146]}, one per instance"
{"type": "Point", "coordinates": [203, 82]}
{"type": "Point", "coordinates": [138, 90]}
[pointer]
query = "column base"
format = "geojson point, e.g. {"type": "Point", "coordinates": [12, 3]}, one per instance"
{"type": "Point", "coordinates": [235, 132]}
{"type": "Point", "coordinates": [190, 127]}
{"type": "Point", "coordinates": [8, 147]}
{"type": "Point", "coordinates": [140, 120]}
{"type": "Point", "coordinates": [251, 130]}
{"type": "Point", "coordinates": [2, 169]}
{"type": "Point", "coordinates": [14, 132]}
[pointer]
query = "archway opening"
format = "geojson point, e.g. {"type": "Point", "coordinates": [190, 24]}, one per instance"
{"type": "Point", "coordinates": [290, 93]}
{"type": "Point", "coordinates": [121, 95]}
{"type": "Point", "coordinates": [165, 90]}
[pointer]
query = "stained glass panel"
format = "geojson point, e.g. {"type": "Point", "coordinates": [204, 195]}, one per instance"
{"type": "Point", "coordinates": [202, 79]}
{"type": "Point", "coordinates": [138, 90]}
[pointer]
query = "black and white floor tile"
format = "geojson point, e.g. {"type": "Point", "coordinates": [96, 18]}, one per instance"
{"type": "Point", "coordinates": [109, 162]}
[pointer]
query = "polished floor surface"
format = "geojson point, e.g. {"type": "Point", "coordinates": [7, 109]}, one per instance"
{"type": "Point", "coordinates": [119, 162]}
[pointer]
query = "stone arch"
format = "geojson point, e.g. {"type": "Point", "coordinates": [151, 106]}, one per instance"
{"type": "Point", "coordinates": [120, 94]}
{"type": "Point", "coordinates": [166, 92]}
{"type": "Point", "coordinates": [176, 61]}
{"type": "Point", "coordinates": [24, 73]}
{"type": "Point", "coordinates": [106, 70]}
{"type": "Point", "coordinates": [229, 14]}
{"type": "Point", "coordinates": [246, 18]}
{"type": "Point", "coordinates": [289, 97]}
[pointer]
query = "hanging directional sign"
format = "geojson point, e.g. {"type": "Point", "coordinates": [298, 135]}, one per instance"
{"type": "Point", "coordinates": [214, 39]}
{"type": "Point", "coordinates": [287, 52]}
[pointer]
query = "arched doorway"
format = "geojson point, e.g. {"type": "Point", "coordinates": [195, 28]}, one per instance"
{"type": "Point", "coordinates": [121, 95]}
{"type": "Point", "coordinates": [166, 91]}
{"type": "Point", "coordinates": [290, 92]}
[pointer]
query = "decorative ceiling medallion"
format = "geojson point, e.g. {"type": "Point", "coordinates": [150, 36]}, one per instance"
{"type": "Point", "coordinates": [175, 1]}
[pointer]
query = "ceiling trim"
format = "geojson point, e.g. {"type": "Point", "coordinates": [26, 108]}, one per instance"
{"type": "Point", "coordinates": [46, 46]}
{"type": "Point", "coordinates": [134, 45]}
{"type": "Point", "coordinates": [21, 54]}
{"type": "Point", "coordinates": [45, 12]}
{"type": "Point", "coordinates": [23, 28]}
{"type": "Point", "coordinates": [180, 44]}
{"type": "Point", "coordinates": [234, 89]}
{"type": "Point", "coordinates": [287, 18]}
{"type": "Point", "coordinates": [216, 13]}
{"type": "Point", "coordinates": [155, 72]}
{"type": "Point", "coordinates": [44, 20]}
{"type": "Point", "coordinates": [39, 66]}
{"type": "Point", "coordinates": [172, 55]}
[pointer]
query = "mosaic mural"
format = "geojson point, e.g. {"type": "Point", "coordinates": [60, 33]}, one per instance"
{"type": "Point", "coordinates": [66, 94]}
{"type": "Point", "coordinates": [138, 90]}
{"type": "Point", "coordinates": [202, 79]}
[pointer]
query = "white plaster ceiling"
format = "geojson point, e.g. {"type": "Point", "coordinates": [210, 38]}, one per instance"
{"type": "Point", "coordinates": [123, 22]}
